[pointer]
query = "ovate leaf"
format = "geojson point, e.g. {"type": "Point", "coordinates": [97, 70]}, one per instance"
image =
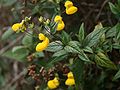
{"type": "Point", "coordinates": [7, 34]}
{"type": "Point", "coordinates": [27, 40]}
{"type": "Point", "coordinates": [81, 33]}
{"type": "Point", "coordinates": [20, 52]}
{"type": "Point", "coordinates": [93, 38]}
{"type": "Point", "coordinates": [65, 37]}
{"type": "Point", "coordinates": [70, 49]}
{"type": "Point", "coordinates": [59, 53]}
{"type": "Point", "coordinates": [78, 72]}
{"type": "Point", "coordinates": [55, 46]}
{"type": "Point", "coordinates": [102, 60]}
{"type": "Point", "coordinates": [83, 57]}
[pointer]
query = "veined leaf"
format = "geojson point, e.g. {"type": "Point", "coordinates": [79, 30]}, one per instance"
{"type": "Point", "coordinates": [83, 57]}
{"type": "Point", "coordinates": [59, 53]}
{"type": "Point", "coordinates": [111, 32]}
{"type": "Point", "coordinates": [81, 33]}
{"type": "Point", "coordinates": [93, 38]}
{"type": "Point", "coordinates": [74, 44]}
{"type": "Point", "coordinates": [102, 60]}
{"type": "Point", "coordinates": [65, 37]}
{"type": "Point", "coordinates": [78, 72]}
{"type": "Point", "coordinates": [55, 46]}
{"type": "Point", "coordinates": [88, 49]}
{"type": "Point", "coordinates": [54, 60]}
{"type": "Point", "coordinates": [70, 49]}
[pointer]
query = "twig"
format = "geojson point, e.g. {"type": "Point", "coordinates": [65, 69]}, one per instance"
{"type": "Point", "coordinates": [98, 15]}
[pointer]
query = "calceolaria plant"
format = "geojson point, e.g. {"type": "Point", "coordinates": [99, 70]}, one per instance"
{"type": "Point", "coordinates": [58, 60]}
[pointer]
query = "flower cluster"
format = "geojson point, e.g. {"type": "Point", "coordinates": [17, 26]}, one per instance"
{"type": "Point", "coordinates": [70, 9]}
{"type": "Point", "coordinates": [52, 84]}
{"type": "Point", "coordinates": [43, 45]}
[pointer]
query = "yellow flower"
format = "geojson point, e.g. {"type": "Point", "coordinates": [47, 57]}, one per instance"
{"type": "Point", "coordinates": [55, 80]}
{"type": "Point", "coordinates": [70, 75]}
{"type": "Point", "coordinates": [70, 9]}
{"type": "Point", "coordinates": [52, 84]}
{"type": "Point", "coordinates": [70, 81]}
{"type": "Point", "coordinates": [68, 4]}
{"type": "Point", "coordinates": [19, 26]}
{"type": "Point", "coordinates": [43, 45]}
{"type": "Point", "coordinates": [16, 26]}
{"type": "Point", "coordinates": [42, 36]}
{"type": "Point", "coordinates": [57, 18]}
{"type": "Point", "coordinates": [60, 26]}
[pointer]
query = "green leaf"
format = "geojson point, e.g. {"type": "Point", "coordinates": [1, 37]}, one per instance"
{"type": "Point", "coordinates": [39, 54]}
{"type": "Point", "coordinates": [54, 60]}
{"type": "Point", "coordinates": [111, 32]}
{"type": "Point", "coordinates": [27, 40]}
{"type": "Point", "coordinates": [78, 72]}
{"type": "Point", "coordinates": [65, 38]}
{"type": "Point", "coordinates": [93, 38]}
{"type": "Point", "coordinates": [113, 8]}
{"type": "Point", "coordinates": [70, 49]}
{"type": "Point", "coordinates": [116, 46]}
{"type": "Point", "coordinates": [59, 53]}
{"type": "Point", "coordinates": [55, 46]}
{"type": "Point", "coordinates": [117, 75]}
{"type": "Point", "coordinates": [10, 54]}
{"type": "Point", "coordinates": [118, 2]}
{"type": "Point", "coordinates": [81, 33]}
{"type": "Point", "coordinates": [88, 49]}
{"type": "Point", "coordinates": [20, 52]}
{"type": "Point", "coordinates": [74, 44]}
{"type": "Point", "coordinates": [118, 32]}
{"type": "Point", "coordinates": [102, 60]}
{"type": "Point", "coordinates": [83, 57]}
{"type": "Point", "coordinates": [7, 34]}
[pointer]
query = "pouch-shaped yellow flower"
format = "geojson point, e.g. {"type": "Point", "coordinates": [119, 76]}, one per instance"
{"type": "Point", "coordinates": [42, 36]}
{"type": "Point", "coordinates": [43, 45]}
{"type": "Point", "coordinates": [55, 80]}
{"type": "Point", "coordinates": [60, 26]}
{"type": "Point", "coordinates": [68, 4]}
{"type": "Point", "coordinates": [18, 26]}
{"type": "Point", "coordinates": [52, 84]}
{"type": "Point", "coordinates": [71, 10]}
{"type": "Point", "coordinates": [57, 18]}
{"type": "Point", "coordinates": [70, 81]}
